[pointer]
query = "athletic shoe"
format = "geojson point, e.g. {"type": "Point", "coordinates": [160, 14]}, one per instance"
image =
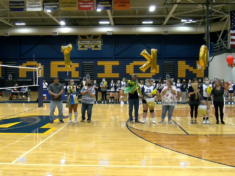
{"type": "Point", "coordinates": [88, 121]}
{"type": "Point", "coordinates": [102, 102]}
{"type": "Point", "coordinates": [204, 121]}
{"type": "Point", "coordinates": [169, 122]}
{"type": "Point", "coordinates": [228, 102]}
{"type": "Point", "coordinates": [160, 122]}
{"type": "Point", "coordinates": [154, 121]}
{"type": "Point", "coordinates": [70, 121]}
{"type": "Point", "coordinates": [61, 121]}
{"type": "Point", "coordinates": [207, 121]}
{"type": "Point", "coordinates": [96, 102]}
{"type": "Point", "coordinates": [122, 102]}
{"type": "Point", "coordinates": [138, 121]}
{"type": "Point", "coordinates": [75, 121]}
{"type": "Point", "coordinates": [82, 120]}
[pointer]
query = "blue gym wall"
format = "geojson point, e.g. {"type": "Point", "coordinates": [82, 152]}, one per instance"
{"type": "Point", "coordinates": [122, 48]}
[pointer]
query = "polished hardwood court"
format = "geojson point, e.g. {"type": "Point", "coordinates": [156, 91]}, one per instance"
{"type": "Point", "coordinates": [110, 145]}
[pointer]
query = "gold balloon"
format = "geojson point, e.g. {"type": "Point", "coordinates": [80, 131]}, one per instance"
{"type": "Point", "coordinates": [203, 56]}
{"type": "Point", "coordinates": [66, 50]}
{"type": "Point", "coordinates": [151, 60]}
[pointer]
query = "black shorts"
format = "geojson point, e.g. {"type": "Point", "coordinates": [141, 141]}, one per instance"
{"type": "Point", "coordinates": [207, 98]}
{"type": "Point", "coordinates": [112, 91]}
{"type": "Point", "coordinates": [230, 91]}
{"type": "Point", "coordinates": [159, 90]}
{"type": "Point", "coordinates": [144, 101]}
{"type": "Point", "coordinates": [117, 91]}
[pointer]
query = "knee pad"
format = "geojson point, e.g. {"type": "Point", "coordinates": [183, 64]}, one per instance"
{"type": "Point", "coordinates": [145, 111]}
{"type": "Point", "coordinates": [151, 111]}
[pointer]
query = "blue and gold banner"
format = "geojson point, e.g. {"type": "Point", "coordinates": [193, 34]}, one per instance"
{"type": "Point", "coordinates": [51, 5]}
{"type": "Point", "coordinates": [16, 5]}
{"type": "Point", "coordinates": [104, 4]}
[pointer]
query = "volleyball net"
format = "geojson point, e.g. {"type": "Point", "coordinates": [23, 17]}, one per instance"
{"type": "Point", "coordinates": [20, 80]}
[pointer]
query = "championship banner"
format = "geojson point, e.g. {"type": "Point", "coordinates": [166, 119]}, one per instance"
{"type": "Point", "coordinates": [121, 4]}
{"type": "Point", "coordinates": [68, 4]}
{"type": "Point", "coordinates": [16, 5]}
{"type": "Point", "coordinates": [33, 5]}
{"type": "Point", "coordinates": [51, 5]}
{"type": "Point", "coordinates": [85, 4]}
{"type": "Point", "coordinates": [104, 4]}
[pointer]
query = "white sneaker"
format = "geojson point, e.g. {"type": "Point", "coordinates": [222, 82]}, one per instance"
{"type": "Point", "coordinates": [154, 121]}
{"type": "Point", "coordinates": [122, 102]}
{"type": "Point", "coordinates": [144, 120]}
{"type": "Point", "coordinates": [228, 102]}
{"type": "Point", "coordinates": [75, 121]}
{"type": "Point", "coordinates": [102, 102]}
{"type": "Point", "coordinates": [127, 102]}
{"type": "Point", "coordinates": [207, 121]}
{"type": "Point", "coordinates": [204, 121]}
{"type": "Point", "coordinates": [96, 102]}
{"type": "Point", "coordinates": [70, 121]}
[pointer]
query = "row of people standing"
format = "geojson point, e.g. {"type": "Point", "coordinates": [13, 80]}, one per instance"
{"type": "Point", "coordinates": [200, 95]}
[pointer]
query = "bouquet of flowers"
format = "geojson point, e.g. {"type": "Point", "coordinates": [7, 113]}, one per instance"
{"type": "Point", "coordinates": [208, 91]}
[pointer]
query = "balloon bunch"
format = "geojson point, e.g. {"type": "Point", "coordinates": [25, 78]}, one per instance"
{"type": "Point", "coordinates": [230, 60]}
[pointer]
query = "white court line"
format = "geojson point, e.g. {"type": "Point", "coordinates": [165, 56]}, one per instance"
{"type": "Point", "coordinates": [41, 143]}
{"type": "Point", "coordinates": [118, 166]}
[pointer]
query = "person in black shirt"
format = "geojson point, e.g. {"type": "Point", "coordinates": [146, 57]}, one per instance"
{"type": "Point", "coordinates": [218, 100]}
{"type": "Point", "coordinates": [194, 99]}
{"type": "Point", "coordinates": [134, 101]}
{"type": "Point", "coordinates": [183, 89]}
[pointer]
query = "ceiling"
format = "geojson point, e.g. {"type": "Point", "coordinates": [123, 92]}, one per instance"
{"type": "Point", "coordinates": [167, 13]}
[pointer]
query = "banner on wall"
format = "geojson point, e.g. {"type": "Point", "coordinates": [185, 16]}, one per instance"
{"type": "Point", "coordinates": [16, 5]}
{"type": "Point", "coordinates": [121, 4]}
{"type": "Point", "coordinates": [51, 5]}
{"type": "Point", "coordinates": [33, 5]}
{"type": "Point", "coordinates": [68, 4]}
{"type": "Point", "coordinates": [85, 4]}
{"type": "Point", "coordinates": [104, 4]}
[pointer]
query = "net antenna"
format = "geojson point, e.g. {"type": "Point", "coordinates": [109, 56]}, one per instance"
{"type": "Point", "coordinates": [38, 74]}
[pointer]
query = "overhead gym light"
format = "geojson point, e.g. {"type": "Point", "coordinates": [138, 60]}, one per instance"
{"type": "Point", "coordinates": [147, 22]}
{"type": "Point", "coordinates": [62, 23]}
{"type": "Point", "coordinates": [104, 22]}
{"type": "Point", "coordinates": [20, 24]}
{"type": "Point", "coordinates": [152, 8]}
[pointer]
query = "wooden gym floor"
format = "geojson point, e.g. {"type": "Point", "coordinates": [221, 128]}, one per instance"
{"type": "Point", "coordinates": [110, 146]}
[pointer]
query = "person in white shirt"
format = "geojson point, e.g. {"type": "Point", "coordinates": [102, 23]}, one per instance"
{"type": "Point", "coordinates": [112, 91]}
{"type": "Point", "coordinates": [206, 99]}
{"type": "Point", "coordinates": [24, 91]}
{"type": "Point", "coordinates": [117, 90]}
{"type": "Point", "coordinates": [123, 85]}
{"type": "Point", "coordinates": [230, 92]}
{"type": "Point", "coordinates": [169, 100]}
{"type": "Point", "coordinates": [146, 90]}
{"type": "Point", "coordinates": [45, 85]}
{"type": "Point", "coordinates": [178, 89]}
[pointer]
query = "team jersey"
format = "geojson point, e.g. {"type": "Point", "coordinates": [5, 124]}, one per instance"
{"type": "Point", "coordinates": [147, 90]}
{"type": "Point", "coordinates": [188, 85]}
{"type": "Point", "coordinates": [203, 89]}
{"type": "Point", "coordinates": [118, 87]}
{"type": "Point", "coordinates": [178, 85]}
{"type": "Point", "coordinates": [123, 84]}
{"type": "Point", "coordinates": [231, 86]}
{"type": "Point", "coordinates": [112, 87]}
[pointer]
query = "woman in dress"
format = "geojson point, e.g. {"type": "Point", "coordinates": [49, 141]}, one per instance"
{"type": "Point", "coordinates": [194, 99]}
{"type": "Point", "coordinates": [169, 100]}
{"type": "Point", "coordinates": [218, 100]}
{"type": "Point", "coordinates": [72, 102]}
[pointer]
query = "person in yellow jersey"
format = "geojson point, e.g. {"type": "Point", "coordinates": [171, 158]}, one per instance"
{"type": "Point", "coordinates": [72, 102]}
